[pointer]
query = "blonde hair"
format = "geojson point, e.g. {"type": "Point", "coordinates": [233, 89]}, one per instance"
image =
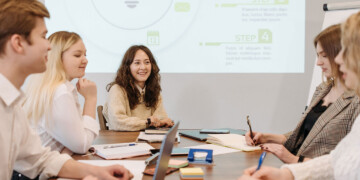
{"type": "Point", "coordinates": [41, 87]}
{"type": "Point", "coordinates": [351, 45]}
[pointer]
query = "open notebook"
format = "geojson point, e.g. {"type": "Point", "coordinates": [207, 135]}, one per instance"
{"type": "Point", "coordinates": [235, 141]}
{"type": "Point", "coordinates": [122, 150]}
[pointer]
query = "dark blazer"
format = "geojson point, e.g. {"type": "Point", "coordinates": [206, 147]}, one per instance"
{"type": "Point", "coordinates": [331, 126]}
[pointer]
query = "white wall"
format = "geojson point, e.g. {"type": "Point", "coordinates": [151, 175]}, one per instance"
{"type": "Point", "coordinates": [273, 101]}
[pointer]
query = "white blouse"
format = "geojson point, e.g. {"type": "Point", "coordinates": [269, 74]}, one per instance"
{"type": "Point", "coordinates": [66, 126]}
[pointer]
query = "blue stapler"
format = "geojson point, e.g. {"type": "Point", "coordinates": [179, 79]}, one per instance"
{"type": "Point", "coordinates": [207, 160]}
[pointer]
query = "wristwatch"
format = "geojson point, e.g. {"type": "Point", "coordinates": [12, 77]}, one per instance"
{"type": "Point", "coordinates": [148, 122]}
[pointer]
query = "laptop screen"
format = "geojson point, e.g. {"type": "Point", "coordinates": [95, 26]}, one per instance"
{"type": "Point", "coordinates": [165, 153]}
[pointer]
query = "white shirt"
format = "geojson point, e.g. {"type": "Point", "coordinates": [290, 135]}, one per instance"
{"type": "Point", "coordinates": [20, 147]}
{"type": "Point", "coordinates": [66, 126]}
{"type": "Point", "coordinates": [342, 163]}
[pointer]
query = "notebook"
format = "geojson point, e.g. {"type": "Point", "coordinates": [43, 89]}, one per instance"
{"type": "Point", "coordinates": [195, 134]}
{"type": "Point", "coordinates": [234, 141]}
{"type": "Point", "coordinates": [122, 150]}
{"type": "Point", "coordinates": [156, 130]}
{"type": "Point", "coordinates": [153, 138]}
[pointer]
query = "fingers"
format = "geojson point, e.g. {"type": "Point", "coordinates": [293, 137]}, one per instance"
{"type": "Point", "coordinates": [121, 172]}
{"type": "Point", "coordinates": [257, 138]}
{"type": "Point", "coordinates": [248, 139]}
{"type": "Point", "coordinates": [250, 171]}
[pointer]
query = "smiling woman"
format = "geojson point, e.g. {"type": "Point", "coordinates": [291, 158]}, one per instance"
{"type": "Point", "coordinates": [134, 101]}
{"type": "Point", "coordinates": [52, 102]}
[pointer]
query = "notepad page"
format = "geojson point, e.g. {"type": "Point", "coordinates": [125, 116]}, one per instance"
{"type": "Point", "coordinates": [136, 167]}
{"type": "Point", "coordinates": [231, 140]}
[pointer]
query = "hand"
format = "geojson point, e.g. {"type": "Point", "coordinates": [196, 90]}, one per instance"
{"type": "Point", "coordinates": [167, 122]}
{"type": "Point", "coordinates": [90, 178]}
{"type": "Point", "coordinates": [259, 138]}
{"type": "Point", "coordinates": [114, 172]}
{"type": "Point", "coordinates": [266, 173]}
{"type": "Point", "coordinates": [155, 122]}
{"type": "Point", "coordinates": [281, 152]}
{"type": "Point", "coordinates": [247, 177]}
{"type": "Point", "coordinates": [86, 88]}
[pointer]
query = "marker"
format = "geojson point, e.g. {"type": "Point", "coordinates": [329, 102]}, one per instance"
{"type": "Point", "coordinates": [119, 145]}
{"type": "Point", "coordinates": [261, 160]}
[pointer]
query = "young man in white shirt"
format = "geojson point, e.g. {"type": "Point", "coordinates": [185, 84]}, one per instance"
{"type": "Point", "coordinates": [23, 51]}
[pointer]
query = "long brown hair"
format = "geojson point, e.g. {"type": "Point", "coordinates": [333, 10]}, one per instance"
{"type": "Point", "coordinates": [125, 80]}
{"type": "Point", "coordinates": [330, 40]}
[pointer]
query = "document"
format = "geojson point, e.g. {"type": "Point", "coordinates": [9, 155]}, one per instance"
{"type": "Point", "coordinates": [134, 166]}
{"type": "Point", "coordinates": [235, 141]}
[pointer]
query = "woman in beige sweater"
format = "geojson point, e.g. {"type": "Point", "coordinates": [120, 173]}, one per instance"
{"type": "Point", "coordinates": [134, 102]}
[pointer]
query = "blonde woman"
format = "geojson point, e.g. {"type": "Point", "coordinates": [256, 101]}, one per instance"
{"type": "Point", "coordinates": [52, 100]}
{"type": "Point", "coordinates": [344, 161]}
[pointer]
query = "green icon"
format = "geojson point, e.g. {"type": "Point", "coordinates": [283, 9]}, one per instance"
{"type": "Point", "coordinates": [182, 7]}
{"type": "Point", "coordinates": [153, 38]}
{"type": "Point", "coordinates": [265, 36]}
{"type": "Point", "coordinates": [281, 1]}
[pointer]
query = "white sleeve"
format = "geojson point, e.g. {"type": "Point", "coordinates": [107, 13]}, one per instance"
{"type": "Point", "coordinates": [34, 159]}
{"type": "Point", "coordinates": [317, 168]}
{"type": "Point", "coordinates": [69, 127]}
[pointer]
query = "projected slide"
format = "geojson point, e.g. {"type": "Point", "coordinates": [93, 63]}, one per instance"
{"type": "Point", "coordinates": [189, 36]}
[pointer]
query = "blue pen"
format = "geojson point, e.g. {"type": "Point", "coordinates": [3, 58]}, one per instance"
{"type": "Point", "coordinates": [119, 145]}
{"type": "Point", "coordinates": [261, 160]}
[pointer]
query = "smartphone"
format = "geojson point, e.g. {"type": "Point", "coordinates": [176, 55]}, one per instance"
{"type": "Point", "coordinates": [214, 131]}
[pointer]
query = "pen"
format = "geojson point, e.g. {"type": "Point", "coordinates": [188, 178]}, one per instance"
{"type": "Point", "coordinates": [152, 158]}
{"type": "Point", "coordinates": [261, 160]}
{"type": "Point", "coordinates": [248, 122]}
{"type": "Point", "coordinates": [119, 145]}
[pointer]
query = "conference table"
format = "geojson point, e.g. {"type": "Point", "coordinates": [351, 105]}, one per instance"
{"type": "Point", "coordinates": [225, 166]}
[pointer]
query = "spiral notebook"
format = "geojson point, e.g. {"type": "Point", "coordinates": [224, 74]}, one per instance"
{"type": "Point", "coordinates": [122, 150]}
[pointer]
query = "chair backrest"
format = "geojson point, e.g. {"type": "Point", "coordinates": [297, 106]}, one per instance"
{"type": "Point", "coordinates": [102, 120]}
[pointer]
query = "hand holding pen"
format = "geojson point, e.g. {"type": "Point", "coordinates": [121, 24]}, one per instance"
{"type": "Point", "coordinates": [252, 138]}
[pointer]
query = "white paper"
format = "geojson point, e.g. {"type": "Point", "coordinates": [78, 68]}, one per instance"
{"type": "Point", "coordinates": [217, 150]}
{"type": "Point", "coordinates": [236, 141]}
{"type": "Point", "coordinates": [136, 167]}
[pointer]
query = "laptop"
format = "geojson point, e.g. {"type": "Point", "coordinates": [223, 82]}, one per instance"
{"type": "Point", "coordinates": [165, 153]}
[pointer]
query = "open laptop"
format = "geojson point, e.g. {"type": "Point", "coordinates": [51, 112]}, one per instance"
{"type": "Point", "coordinates": [165, 153]}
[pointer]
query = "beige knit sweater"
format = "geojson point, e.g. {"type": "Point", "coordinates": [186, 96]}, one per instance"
{"type": "Point", "coordinates": [119, 115]}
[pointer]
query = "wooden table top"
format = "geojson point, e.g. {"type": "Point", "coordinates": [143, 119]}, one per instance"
{"type": "Point", "coordinates": [226, 166]}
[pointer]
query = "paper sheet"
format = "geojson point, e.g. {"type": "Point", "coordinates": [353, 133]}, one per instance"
{"type": "Point", "coordinates": [217, 150]}
{"type": "Point", "coordinates": [136, 167]}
